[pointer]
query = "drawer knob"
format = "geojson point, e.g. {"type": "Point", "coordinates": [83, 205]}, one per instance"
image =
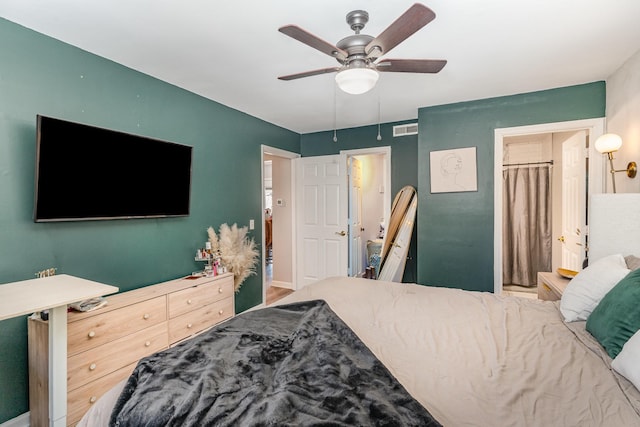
{"type": "Point", "coordinates": [92, 367]}
{"type": "Point", "coordinates": [93, 399]}
{"type": "Point", "coordinates": [91, 334]}
{"type": "Point", "coordinates": [147, 343]}
{"type": "Point", "coordinates": [189, 325]}
{"type": "Point", "coordinates": [219, 290]}
{"type": "Point", "coordinates": [188, 301]}
{"type": "Point", "coordinates": [220, 312]}
{"type": "Point", "coordinates": [146, 316]}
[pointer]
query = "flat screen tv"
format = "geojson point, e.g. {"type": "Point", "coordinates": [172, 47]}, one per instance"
{"type": "Point", "coordinates": [89, 173]}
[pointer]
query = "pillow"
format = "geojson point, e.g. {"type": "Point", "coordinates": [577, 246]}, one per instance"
{"type": "Point", "coordinates": [633, 262]}
{"type": "Point", "coordinates": [584, 292]}
{"type": "Point", "coordinates": [627, 362]}
{"type": "Point", "coordinates": [617, 317]}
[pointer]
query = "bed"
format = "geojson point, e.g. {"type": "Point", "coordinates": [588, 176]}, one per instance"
{"type": "Point", "coordinates": [476, 359]}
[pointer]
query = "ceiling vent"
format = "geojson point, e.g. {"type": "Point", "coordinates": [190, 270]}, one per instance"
{"type": "Point", "coordinates": [404, 130]}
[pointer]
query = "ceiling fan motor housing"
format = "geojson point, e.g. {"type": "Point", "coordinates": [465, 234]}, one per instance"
{"type": "Point", "coordinates": [355, 46]}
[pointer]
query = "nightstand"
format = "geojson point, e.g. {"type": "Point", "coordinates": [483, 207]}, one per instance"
{"type": "Point", "coordinates": [551, 285]}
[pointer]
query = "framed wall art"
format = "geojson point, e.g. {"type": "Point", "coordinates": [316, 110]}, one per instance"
{"type": "Point", "coordinates": [453, 170]}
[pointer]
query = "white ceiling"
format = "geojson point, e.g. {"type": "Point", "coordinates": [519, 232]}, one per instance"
{"type": "Point", "coordinates": [232, 53]}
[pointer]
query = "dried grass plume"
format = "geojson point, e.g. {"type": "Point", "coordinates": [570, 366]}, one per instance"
{"type": "Point", "coordinates": [237, 251]}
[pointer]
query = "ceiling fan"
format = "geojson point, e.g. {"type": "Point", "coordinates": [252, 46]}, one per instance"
{"type": "Point", "coordinates": [358, 54]}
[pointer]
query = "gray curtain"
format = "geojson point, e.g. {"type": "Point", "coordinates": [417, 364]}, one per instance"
{"type": "Point", "coordinates": [526, 219]}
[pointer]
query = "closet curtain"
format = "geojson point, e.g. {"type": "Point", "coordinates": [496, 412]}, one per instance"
{"type": "Point", "coordinates": [526, 229]}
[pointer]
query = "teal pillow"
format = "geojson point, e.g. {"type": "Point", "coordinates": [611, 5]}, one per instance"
{"type": "Point", "coordinates": [617, 317]}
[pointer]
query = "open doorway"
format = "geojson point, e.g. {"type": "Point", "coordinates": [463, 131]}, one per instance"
{"type": "Point", "coordinates": [540, 148]}
{"type": "Point", "coordinates": [324, 228]}
{"type": "Point", "coordinates": [369, 207]}
{"type": "Point", "coordinates": [278, 219]}
{"type": "Point", "coordinates": [544, 180]}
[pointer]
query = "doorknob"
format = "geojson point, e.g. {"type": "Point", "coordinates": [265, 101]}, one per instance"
{"type": "Point", "coordinates": [561, 238]}
{"type": "Point", "coordinates": [341, 233]}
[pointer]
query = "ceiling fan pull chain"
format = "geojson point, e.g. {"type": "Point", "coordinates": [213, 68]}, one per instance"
{"type": "Point", "coordinates": [335, 107]}
{"type": "Point", "coordinates": [379, 137]}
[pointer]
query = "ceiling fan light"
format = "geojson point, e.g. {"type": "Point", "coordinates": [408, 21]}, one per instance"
{"type": "Point", "coordinates": [357, 80]}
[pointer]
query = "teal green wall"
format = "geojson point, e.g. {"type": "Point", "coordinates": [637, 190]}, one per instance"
{"type": "Point", "coordinates": [39, 75]}
{"type": "Point", "coordinates": [404, 161]}
{"type": "Point", "coordinates": [455, 230]}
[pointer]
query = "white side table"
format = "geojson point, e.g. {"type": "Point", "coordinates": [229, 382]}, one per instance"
{"type": "Point", "coordinates": [551, 285]}
{"type": "Point", "coordinates": [52, 293]}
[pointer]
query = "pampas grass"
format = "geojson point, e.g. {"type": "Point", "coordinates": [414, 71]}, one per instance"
{"type": "Point", "coordinates": [238, 252]}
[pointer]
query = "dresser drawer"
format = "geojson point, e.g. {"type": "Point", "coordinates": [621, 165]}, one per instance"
{"type": "Point", "coordinates": [102, 328]}
{"type": "Point", "coordinates": [100, 361]}
{"type": "Point", "coordinates": [189, 299]}
{"type": "Point", "coordinates": [80, 400]}
{"type": "Point", "coordinates": [188, 324]}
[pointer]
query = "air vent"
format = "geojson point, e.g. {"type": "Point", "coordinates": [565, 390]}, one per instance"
{"type": "Point", "coordinates": [404, 130]}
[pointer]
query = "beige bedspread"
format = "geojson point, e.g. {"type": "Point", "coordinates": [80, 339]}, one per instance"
{"type": "Point", "coordinates": [476, 359]}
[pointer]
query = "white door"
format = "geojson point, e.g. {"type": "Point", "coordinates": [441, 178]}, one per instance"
{"type": "Point", "coordinates": [321, 203]}
{"type": "Point", "coordinates": [356, 250]}
{"type": "Point", "coordinates": [574, 196]}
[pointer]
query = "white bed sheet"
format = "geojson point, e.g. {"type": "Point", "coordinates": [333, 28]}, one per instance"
{"type": "Point", "coordinates": [477, 359]}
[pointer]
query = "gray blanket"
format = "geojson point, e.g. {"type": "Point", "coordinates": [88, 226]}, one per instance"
{"type": "Point", "coordinates": [297, 364]}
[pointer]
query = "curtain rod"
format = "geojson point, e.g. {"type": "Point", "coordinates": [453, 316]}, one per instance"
{"type": "Point", "coordinates": [550, 162]}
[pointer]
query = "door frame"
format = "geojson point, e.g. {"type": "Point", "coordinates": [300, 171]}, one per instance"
{"type": "Point", "coordinates": [354, 213]}
{"type": "Point", "coordinates": [277, 152]}
{"type": "Point", "coordinates": [596, 177]}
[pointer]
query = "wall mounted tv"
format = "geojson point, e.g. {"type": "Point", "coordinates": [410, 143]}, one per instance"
{"type": "Point", "coordinates": [89, 173]}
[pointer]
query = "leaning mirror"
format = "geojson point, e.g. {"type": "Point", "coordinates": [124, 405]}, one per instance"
{"type": "Point", "coordinates": [396, 244]}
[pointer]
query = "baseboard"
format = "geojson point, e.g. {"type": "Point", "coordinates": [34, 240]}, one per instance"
{"type": "Point", "coordinates": [19, 421]}
{"type": "Point", "coordinates": [285, 285]}
{"type": "Point", "coordinates": [255, 307]}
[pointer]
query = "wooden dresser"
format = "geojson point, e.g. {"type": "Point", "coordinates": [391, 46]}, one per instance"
{"type": "Point", "coordinates": [103, 346]}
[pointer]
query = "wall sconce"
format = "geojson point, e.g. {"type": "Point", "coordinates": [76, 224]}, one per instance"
{"type": "Point", "coordinates": [609, 143]}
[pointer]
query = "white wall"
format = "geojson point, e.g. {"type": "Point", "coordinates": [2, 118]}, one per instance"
{"type": "Point", "coordinates": [623, 118]}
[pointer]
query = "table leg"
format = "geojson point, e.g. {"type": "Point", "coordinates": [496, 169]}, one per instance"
{"type": "Point", "coordinates": [58, 366]}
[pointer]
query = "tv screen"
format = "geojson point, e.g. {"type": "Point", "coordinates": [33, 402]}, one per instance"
{"type": "Point", "coordinates": [89, 173]}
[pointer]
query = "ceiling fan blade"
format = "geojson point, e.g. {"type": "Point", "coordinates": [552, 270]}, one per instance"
{"type": "Point", "coordinates": [309, 39]}
{"type": "Point", "coordinates": [309, 73]}
{"type": "Point", "coordinates": [411, 65]}
{"type": "Point", "coordinates": [416, 17]}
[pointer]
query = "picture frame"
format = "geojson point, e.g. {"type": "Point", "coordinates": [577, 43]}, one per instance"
{"type": "Point", "coordinates": [453, 171]}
